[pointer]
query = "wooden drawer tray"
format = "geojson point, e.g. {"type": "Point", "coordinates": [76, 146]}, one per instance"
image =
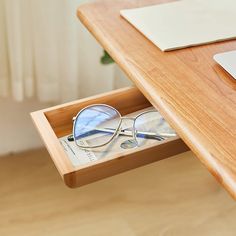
{"type": "Point", "coordinates": [55, 122]}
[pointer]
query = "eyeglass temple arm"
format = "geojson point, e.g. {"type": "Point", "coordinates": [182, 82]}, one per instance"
{"type": "Point", "coordinates": [129, 133]}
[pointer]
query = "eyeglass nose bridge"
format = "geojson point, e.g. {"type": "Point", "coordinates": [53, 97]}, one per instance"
{"type": "Point", "coordinates": [127, 118]}
{"type": "Point", "coordinates": [124, 130]}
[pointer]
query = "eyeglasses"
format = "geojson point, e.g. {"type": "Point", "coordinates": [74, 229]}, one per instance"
{"type": "Point", "coordinates": [97, 125]}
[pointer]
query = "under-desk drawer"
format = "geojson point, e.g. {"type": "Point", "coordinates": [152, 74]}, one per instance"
{"type": "Point", "coordinates": [56, 122]}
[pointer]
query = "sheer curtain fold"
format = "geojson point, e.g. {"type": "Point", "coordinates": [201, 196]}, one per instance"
{"type": "Point", "coordinates": [4, 70]}
{"type": "Point", "coordinates": [19, 48]}
{"type": "Point", "coordinates": [46, 53]}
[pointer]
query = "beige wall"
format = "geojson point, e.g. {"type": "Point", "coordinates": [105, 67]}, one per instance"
{"type": "Point", "coordinates": [17, 132]}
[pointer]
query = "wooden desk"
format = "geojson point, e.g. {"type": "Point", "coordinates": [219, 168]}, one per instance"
{"type": "Point", "coordinates": [194, 94]}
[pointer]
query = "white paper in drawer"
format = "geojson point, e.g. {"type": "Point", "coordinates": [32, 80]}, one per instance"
{"type": "Point", "coordinates": [79, 156]}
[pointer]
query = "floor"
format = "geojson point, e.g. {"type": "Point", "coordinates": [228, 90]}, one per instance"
{"type": "Point", "coordinates": [172, 197]}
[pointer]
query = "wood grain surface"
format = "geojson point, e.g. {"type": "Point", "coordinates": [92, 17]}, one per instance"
{"type": "Point", "coordinates": [174, 197]}
{"type": "Point", "coordinates": [56, 122]}
{"type": "Point", "coordinates": [191, 91]}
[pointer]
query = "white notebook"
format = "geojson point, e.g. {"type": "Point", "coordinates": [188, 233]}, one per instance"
{"type": "Point", "coordinates": [185, 23]}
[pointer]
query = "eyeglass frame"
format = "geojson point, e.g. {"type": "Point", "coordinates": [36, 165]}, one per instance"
{"type": "Point", "coordinates": [118, 129]}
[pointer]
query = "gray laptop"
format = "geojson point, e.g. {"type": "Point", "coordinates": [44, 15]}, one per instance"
{"type": "Point", "coordinates": [228, 61]}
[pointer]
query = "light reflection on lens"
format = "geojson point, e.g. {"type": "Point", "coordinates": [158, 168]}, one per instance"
{"type": "Point", "coordinates": [96, 125]}
{"type": "Point", "coordinates": [149, 127]}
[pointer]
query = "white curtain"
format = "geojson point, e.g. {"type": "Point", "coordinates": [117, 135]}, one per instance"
{"type": "Point", "coordinates": [45, 52]}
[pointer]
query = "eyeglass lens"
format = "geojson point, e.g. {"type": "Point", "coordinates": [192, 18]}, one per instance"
{"type": "Point", "coordinates": [96, 125]}
{"type": "Point", "coordinates": [150, 126]}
